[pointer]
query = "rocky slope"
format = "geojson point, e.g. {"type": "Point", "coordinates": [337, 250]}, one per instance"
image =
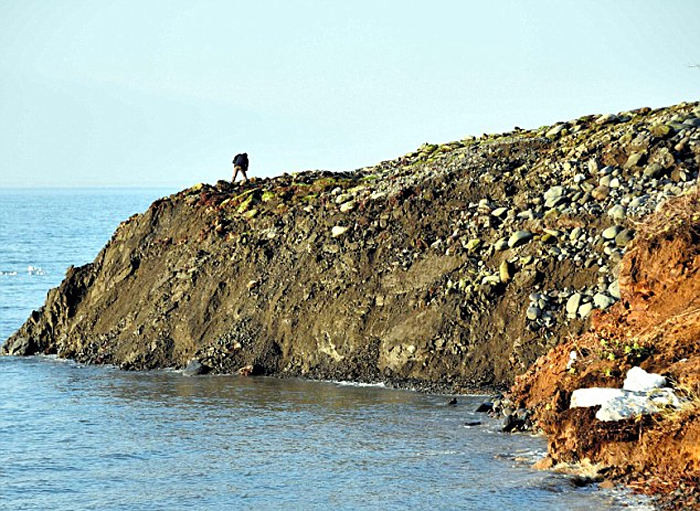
{"type": "Point", "coordinates": [456, 265]}
{"type": "Point", "coordinates": [656, 325]}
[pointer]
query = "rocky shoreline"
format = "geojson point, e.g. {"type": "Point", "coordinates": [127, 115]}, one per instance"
{"type": "Point", "coordinates": [452, 268]}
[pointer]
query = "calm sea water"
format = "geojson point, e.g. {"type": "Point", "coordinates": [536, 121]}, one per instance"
{"type": "Point", "coordinates": [76, 437]}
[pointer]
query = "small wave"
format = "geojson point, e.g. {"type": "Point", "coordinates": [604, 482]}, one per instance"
{"type": "Point", "coordinates": [343, 383]}
{"type": "Point", "coordinates": [8, 273]}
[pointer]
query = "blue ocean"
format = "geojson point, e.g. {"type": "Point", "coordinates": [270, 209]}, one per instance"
{"type": "Point", "coordinates": [75, 437]}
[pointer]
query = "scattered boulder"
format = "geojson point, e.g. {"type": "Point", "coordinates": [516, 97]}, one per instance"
{"type": "Point", "coordinates": [623, 237]}
{"type": "Point", "coordinates": [519, 238]}
{"type": "Point", "coordinates": [585, 309]}
{"type": "Point", "coordinates": [611, 232]}
{"type": "Point", "coordinates": [572, 304]}
{"type": "Point", "coordinates": [504, 272]}
{"type": "Point", "coordinates": [603, 301]}
{"type": "Point", "coordinates": [338, 230]}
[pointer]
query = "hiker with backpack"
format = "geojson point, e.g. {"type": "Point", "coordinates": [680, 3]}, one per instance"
{"type": "Point", "coordinates": [240, 164]}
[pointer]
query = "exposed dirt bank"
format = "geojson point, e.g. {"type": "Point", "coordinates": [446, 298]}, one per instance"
{"type": "Point", "coordinates": [454, 266]}
{"type": "Point", "coordinates": [656, 325]}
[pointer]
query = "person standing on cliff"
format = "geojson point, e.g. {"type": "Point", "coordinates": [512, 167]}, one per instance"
{"type": "Point", "coordinates": [240, 164]}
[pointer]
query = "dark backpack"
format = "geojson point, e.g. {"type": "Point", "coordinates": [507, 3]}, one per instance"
{"type": "Point", "coordinates": [241, 160]}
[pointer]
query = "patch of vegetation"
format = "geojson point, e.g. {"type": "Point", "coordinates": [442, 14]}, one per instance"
{"type": "Point", "coordinates": [616, 350]}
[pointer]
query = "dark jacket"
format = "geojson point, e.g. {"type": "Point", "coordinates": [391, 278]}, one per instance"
{"type": "Point", "coordinates": [241, 160]}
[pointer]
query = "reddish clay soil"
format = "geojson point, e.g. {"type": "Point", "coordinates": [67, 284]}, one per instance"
{"type": "Point", "coordinates": [656, 325]}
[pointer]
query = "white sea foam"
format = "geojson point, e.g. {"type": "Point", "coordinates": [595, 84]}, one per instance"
{"type": "Point", "coordinates": [343, 383]}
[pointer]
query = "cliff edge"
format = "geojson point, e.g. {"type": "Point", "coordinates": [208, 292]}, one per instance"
{"type": "Point", "coordinates": [454, 266]}
{"type": "Point", "coordinates": [656, 326]}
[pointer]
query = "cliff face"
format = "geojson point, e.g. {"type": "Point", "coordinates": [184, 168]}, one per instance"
{"type": "Point", "coordinates": [656, 326]}
{"type": "Point", "coordinates": [455, 265]}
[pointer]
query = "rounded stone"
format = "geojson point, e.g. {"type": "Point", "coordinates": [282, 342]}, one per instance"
{"type": "Point", "coordinates": [585, 309]}
{"type": "Point", "coordinates": [473, 244]}
{"type": "Point", "coordinates": [343, 197]}
{"type": "Point", "coordinates": [533, 313]}
{"type": "Point", "coordinates": [602, 301]}
{"type": "Point", "coordinates": [653, 171]}
{"type": "Point", "coordinates": [624, 237]}
{"type": "Point", "coordinates": [501, 244]}
{"type": "Point", "coordinates": [614, 289]}
{"type": "Point", "coordinates": [633, 160]}
{"type": "Point", "coordinates": [554, 192]}
{"type": "Point", "coordinates": [519, 238]}
{"type": "Point", "coordinates": [572, 304]}
{"type": "Point", "coordinates": [504, 272]}
{"type": "Point", "coordinates": [600, 192]}
{"type": "Point", "coordinates": [555, 131]}
{"type": "Point", "coordinates": [347, 206]}
{"type": "Point", "coordinates": [338, 230]}
{"type": "Point", "coordinates": [617, 212]}
{"type": "Point", "coordinates": [611, 232]}
{"type": "Point", "coordinates": [499, 212]}
{"type": "Point", "coordinates": [638, 201]}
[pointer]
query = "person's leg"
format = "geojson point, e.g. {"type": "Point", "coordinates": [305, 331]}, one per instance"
{"type": "Point", "coordinates": [236, 168]}
{"type": "Point", "coordinates": [245, 177]}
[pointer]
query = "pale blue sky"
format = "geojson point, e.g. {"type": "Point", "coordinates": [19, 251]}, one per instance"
{"type": "Point", "coordinates": [156, 92]}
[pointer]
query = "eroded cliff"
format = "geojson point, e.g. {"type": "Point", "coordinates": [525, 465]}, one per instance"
{"type": "Point", "coordinates": [456, 265]}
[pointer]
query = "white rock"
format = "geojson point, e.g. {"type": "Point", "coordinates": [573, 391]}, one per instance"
{"type": "Point", "coordinates": [554, 192]}
{"type": "Point", "coordinates": [602, 301]}
{"type": "Point", "coordinates": [575, 233]}
{"type": "Point", "coordinates": [614, 289]}
{"type": "Point", "coordinates": [347, 206]}
{"type": "Point", "coordinates": [572, 304]}
{"type": "Point", "coordinates": [499, 212]}
{"type": "Point", "coordinates": [606, 118]}
{"type": "Point", "coordinates": [631, 404]}
{"type": "Point", "coordinates": [533, 313]}
{"type": "Point", "coordinates": [583, 398]}
{"type": "Point", "coordinates": [585, 309]}
{"type": "Point", "coordinates": [519, 238]}
{"type": "Point", "coordinates": [637, 202]}
{"type": "Point", "coordinates": [640, 381]}
{"type": "Point", "coordinates": [556, 130]}
{"type": "Point", "coordinates": [338, 230]}
{"type": "Point", "coordinates": [617, 212]}
{"type": "Point", "coordinates": [619, 404]}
